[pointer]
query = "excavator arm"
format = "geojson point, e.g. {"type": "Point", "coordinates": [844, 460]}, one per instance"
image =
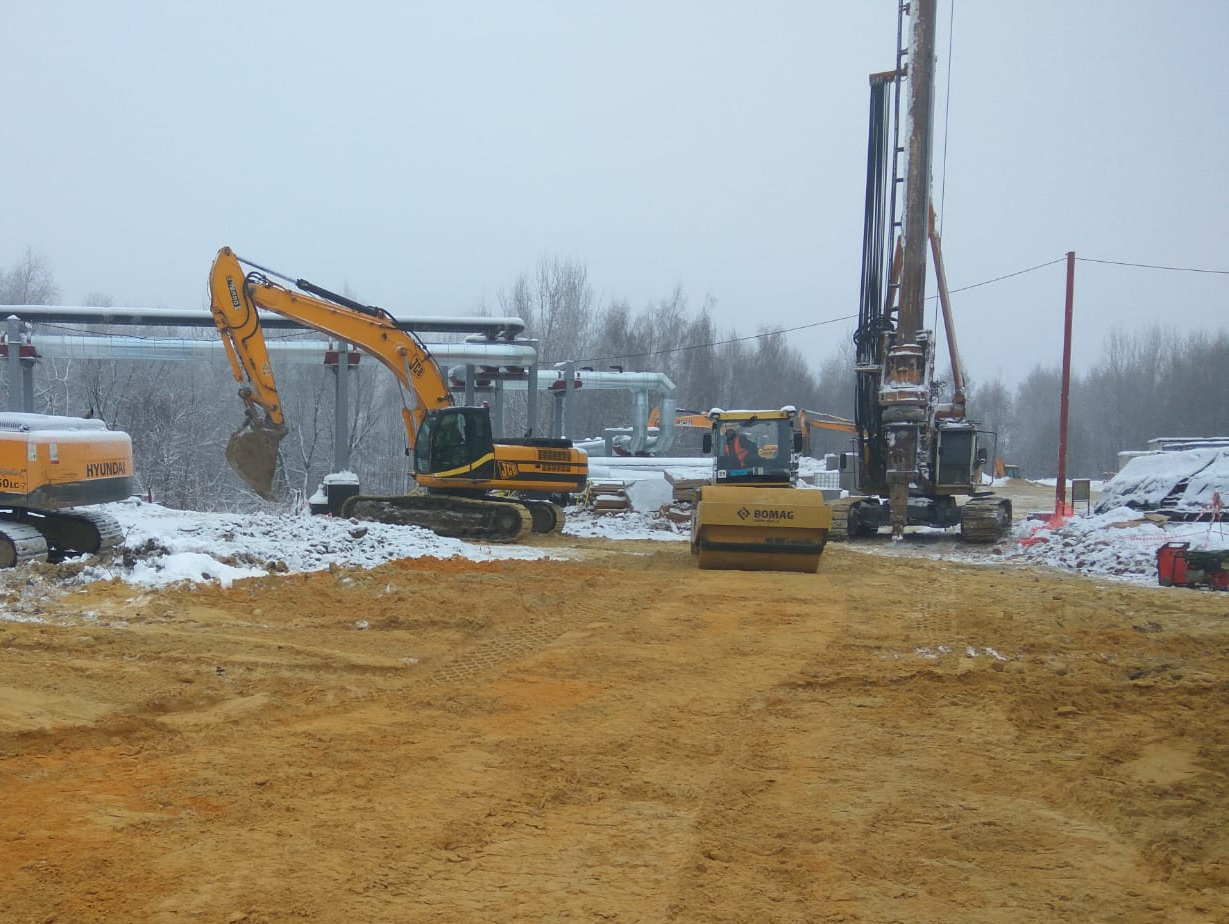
{"type": "Point", "coordinates": [818, 420]}
{"type": "Point", "coordinates": [235, 296]}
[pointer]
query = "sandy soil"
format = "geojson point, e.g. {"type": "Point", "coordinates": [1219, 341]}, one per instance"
{"type": "Point", "coordinates": [618, 738]}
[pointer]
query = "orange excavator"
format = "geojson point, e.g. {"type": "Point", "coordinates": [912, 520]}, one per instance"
{"type": "Point", "coordinates": [683, 420]}
{"type": "Point", "coordinates": [470, 485]}
{"type": "Point", "coordinates": [52, 469]}
{"type": "Point", "coordinates": [805, 420]}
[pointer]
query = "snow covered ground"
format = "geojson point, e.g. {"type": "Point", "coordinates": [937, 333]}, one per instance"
{"type": "Point", "coordinates": [163, 546]}
{"type": "Point", "coordinates": [1118, 543]}
{"type": "Point", "coordinates": [1120, 538]}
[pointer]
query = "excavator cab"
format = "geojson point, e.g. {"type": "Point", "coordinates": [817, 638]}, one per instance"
{"type": "Point", "coordinates": [454, 441]}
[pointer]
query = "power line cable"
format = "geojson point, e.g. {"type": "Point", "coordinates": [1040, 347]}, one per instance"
{"type": "Point", "coordinates": [987, 282]}
{"type": "Point", "coordinates": [790, 330]}
{"type": "Point", "coordinates": [1155, 266]}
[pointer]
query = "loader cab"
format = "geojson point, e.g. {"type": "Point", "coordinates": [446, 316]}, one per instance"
{"type": "Point", "coordinates": [748, 448]}
{"type": "Point", "coordinates": [453, 440]}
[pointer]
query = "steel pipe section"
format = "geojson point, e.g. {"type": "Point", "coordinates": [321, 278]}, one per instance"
{"type": "Point", "coordinates": [118, 346]}
{"type": "Point", "coordinates": [492, 328]}
{"type": "Point", "coordinates": [641, 384]}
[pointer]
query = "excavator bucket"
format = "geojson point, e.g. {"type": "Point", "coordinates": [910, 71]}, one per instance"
{"type": "Point", "coordinates": [760, 529]}
{"type": "Point", "coordinates": [252, 453]}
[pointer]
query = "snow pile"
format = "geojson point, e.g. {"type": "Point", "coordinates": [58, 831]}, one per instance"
{"type": "Point", "coordinates": [645, 468]}
{"type": "Point", "coordinates": [1117, 542]}
{"type": "Point", "coordinates": [162, 546]}
{"type": "Point", "coordinates": [649, 494]}
{"type": "Point", "coordinates": [1146, 481]}
{"type": "Point", "coordinates": [623, 524]}
{"type": "Point", "coordinates": [1208, 488]}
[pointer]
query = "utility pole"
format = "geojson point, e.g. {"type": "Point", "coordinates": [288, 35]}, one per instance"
{"type": "Point", "coordinates": [1060, 491]}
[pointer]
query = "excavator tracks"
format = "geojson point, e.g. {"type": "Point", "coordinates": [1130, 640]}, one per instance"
{"type": "Point", "coordinates": [20, 543]}
{"type": "Point", "coordinates": [453, 517]}
{"type": "Point", "coordinates": [54, 535]}
{"type": "Point", "coordinates": [77, 531]}
{"type": "Point", "coordinates": [547, 517]}
{"type": "Point", "coordinates": [985, 519]}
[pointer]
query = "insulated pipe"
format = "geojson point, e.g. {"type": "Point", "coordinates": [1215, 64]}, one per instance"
{"type": "Point", "coordinates": [665, 433]}
{"type": "Point", "coordinates": [569, 389]}
{"type": "Point", "coordinates": [341, 416]}
{"type": "Point", "coordinates": [110, 346]}
{"type": "Point", "coordinates": [493, 328]}
{"type": "Point", "coordinates": [635, 382]}
{"type": "Point", "coordinates": [640, 420]}
{"type": "Point", "coordinates": [497, 353]}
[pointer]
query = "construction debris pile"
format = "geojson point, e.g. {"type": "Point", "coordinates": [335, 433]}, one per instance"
{"type": "Point", "coordinates": [1188, 485]}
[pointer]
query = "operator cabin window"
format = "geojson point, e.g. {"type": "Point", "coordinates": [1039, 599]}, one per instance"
{"type": "Point", "coordinates": [448, 447]}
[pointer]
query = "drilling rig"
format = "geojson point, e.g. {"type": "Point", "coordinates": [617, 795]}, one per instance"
{"type": "Point", "coordinates": [916, 452]}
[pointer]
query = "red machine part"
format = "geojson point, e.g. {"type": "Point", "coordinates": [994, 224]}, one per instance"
{"type": "Point", "coordinates": [1177, 566]}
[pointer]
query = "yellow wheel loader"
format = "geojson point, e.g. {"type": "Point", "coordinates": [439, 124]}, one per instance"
{"type": "Point", "coordinates": [754, 517]}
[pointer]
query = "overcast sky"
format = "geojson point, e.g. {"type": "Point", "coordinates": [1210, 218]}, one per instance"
{"type": "Point", "coordinates": [423, 155]}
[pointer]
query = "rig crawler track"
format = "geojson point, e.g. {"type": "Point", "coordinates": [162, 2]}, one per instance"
{"type": "Point", "coordinates": [985, 519]}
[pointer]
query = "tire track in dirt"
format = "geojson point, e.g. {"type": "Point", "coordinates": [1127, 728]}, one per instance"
{"type": "Point", "coordinates": [488, 655]}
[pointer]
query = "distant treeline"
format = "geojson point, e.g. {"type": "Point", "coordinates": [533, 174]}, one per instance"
{"type": "Point", "coordinates": [1146, 384]}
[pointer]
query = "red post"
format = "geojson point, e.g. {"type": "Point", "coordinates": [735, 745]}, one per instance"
{"type": "Point", "coordinates": [1060, 493]}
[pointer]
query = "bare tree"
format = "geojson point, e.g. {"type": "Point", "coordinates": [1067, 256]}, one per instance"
{"type": "Point", "coordinates": [991, 405]}
{"type": "Point", "coordinates": [29, 282]}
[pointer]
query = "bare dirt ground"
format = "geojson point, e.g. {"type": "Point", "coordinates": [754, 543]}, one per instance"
{"type": "Point", "coordinates": [618, 737]}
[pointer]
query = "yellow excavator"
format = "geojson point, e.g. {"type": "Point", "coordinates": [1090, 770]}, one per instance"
{"type": "Point", "coordinates": [472, 487]}
{"type": "Point", "coordinates": [754, 517]}
{"type": "Point", "coordinates": [818, 420]}
{"type": "Point", "coordinates": [51, 470]}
